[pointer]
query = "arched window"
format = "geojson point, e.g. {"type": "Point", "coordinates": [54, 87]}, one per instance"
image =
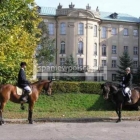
{"type": "Point", "coordinates": [80, 47]}
{"type": "Point", "coordinates": [62, 28]}
{"type": "Point", "coordinates": [62, 49]}
{"type": "Point", "coordinates": [95, 49]}
{"type": "Point", "coordinates": [103, 50]}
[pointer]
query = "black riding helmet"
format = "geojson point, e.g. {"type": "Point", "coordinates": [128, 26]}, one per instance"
{"type": "Point", "coordinates": [23, 64]}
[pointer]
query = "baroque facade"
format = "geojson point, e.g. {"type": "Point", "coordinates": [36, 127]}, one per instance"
{"type": "Point", "coordinates": [95, 39]}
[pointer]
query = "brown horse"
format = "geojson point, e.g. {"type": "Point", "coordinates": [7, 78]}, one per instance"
{"type": "Point", "coordinates": [112, 90]}
{"type": "Point", "coordinates": [8, 92]}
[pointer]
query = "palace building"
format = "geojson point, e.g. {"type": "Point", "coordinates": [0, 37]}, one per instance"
{"type": "Point", "coordinates": [94, 38]}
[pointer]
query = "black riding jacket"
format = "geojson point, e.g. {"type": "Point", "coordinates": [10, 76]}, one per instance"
{"type": "Point", "coordinates": [127, 80]}
{"type": "Point", "coordinates": [22, 82]}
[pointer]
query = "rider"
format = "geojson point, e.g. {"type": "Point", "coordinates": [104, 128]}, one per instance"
{"type": "Point", "coordinates": [127, 83]}
{"type": "Point", "coordinates": [23, 83]}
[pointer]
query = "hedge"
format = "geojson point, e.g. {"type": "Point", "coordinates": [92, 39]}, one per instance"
{"type": "Point", "coordinates": [76, 87]}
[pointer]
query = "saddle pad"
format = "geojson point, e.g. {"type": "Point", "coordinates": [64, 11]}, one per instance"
{"type": "Point", "coordinates": [20, 91]}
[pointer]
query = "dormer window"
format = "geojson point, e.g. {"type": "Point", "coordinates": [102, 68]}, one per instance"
{"type": "Point", "coordinates": [114, 15]}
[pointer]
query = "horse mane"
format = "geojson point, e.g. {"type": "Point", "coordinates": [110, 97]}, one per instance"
{"type": "Point", "coordinates": [112, 84]}
{"type": "Point", "coordinates": [40, 81]}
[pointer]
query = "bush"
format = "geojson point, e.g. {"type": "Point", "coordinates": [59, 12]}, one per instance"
{"type": "Point", "coordinates": [76, 87]}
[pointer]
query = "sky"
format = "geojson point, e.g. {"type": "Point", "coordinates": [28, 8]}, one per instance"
{"type": "Point", "coordinates": [131, 7]}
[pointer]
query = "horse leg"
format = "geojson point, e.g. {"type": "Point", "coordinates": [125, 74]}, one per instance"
{"type": "Point", "coordinates": [1, 110]}
{"type": "Point", "coordinates": [119, 108]}
{"type": "Point", "coordinates": [31, 105]}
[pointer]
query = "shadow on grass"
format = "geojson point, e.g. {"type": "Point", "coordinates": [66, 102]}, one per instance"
{"type": "Point", "coordinates": [109, 105]}
{"type": "Point", "coordinates": [102, 105]}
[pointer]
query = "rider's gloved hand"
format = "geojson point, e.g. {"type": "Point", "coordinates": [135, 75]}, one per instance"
{"type": "Point", "coordinates": [123, 85]}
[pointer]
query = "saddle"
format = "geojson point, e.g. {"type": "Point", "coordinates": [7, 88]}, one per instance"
{"type": "Point", "coordinates": [20, 91]}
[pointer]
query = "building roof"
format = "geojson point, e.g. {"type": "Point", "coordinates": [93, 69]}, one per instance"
{"type": "Point", "coordinates": [51, 11]}
{"type": "Point", "coordinates": [120, 17]}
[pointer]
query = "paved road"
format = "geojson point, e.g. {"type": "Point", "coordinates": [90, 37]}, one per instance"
{"type": "Point", "coordinates": [126, 130]}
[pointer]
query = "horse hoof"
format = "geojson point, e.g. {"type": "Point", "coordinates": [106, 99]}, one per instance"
{"type": "Point", "coordinates": [22, 107]}
{"type": "Point", "coordinates": [1, 123]}
{"type": "Point", "coordinates": [118, 121]}
{"type": "Point", "coordinates": [30, 122]}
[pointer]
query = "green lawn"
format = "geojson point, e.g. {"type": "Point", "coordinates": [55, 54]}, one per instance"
{"type": "Point", "coordinates": [73, 105]}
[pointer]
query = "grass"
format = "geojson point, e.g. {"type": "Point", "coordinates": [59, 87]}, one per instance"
{"type": "Point", "coordinates": [73, 105]}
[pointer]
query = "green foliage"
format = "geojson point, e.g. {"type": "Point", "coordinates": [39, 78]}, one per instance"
{"type": "Point", "coordinates": [46, 49]}
{"type": "Point", "coordinates": [19, 35]}
{"type": "Point", "coordinates": [76, 87]}
{"type": "Point", "coordinates": [125, 61]}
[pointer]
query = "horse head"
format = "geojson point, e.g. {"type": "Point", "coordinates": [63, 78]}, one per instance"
{"type": "Point", "coordinates": [108, 89]}
{"type": "Point", "coordinates": [48, 87]}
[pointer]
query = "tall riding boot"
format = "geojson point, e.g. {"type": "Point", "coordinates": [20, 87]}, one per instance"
{"type": "Point", "coordinates": [25, 96]}
{"type": "Point", "coordinates": [128, 98]}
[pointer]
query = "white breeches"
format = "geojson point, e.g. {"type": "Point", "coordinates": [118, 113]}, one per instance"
{"type": "Point", "coordinates": [27, 88]}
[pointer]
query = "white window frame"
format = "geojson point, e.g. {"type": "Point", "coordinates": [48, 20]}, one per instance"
{"type": "Point", "coordinates": [125, 32]}
{"type": "Point", "coordinates": [95, 49]}
{"type": "Point", "coordinates": [135, 50]}
{"type": "Point", "coordinates": [62, 61]}
{"type": "Point", "coordinates": [80, 29]}
{"type": "Point", "coordinates": [114, 77]}
{"type": "Point", "coordinates": [63, 28]}
{"type": "Point", "coordinates": [114, 31]}
{"type": "Point", "coordinates": [104, 63]}
{"type": "Point", "coordinates": [62, 49]}
{"type": "Point", "coordinates": [80, 61]}
{"type": "Point", "coordinates": [104, 32]}
{"type": "Point", "coordinates": [114, 49]}
{"type": "Point", "coordinates": [80, 47]}
{"type": "Point", "coordinates": [51, 28]}
{"type": "Point", "coordinates": [114, 63]}
{"type": "Point", "coordinates": [135, 64]}
{"type": "Point", "coordinates": [125, 48]}
{"type": "Point", "coordinates": [135, 32]}
{"type": "Point", "coordinates": [104, 53]}
{"type": "Point", "coordinates": [95, 30]}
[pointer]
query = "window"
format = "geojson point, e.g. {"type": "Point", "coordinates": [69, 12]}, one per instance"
{"type": "Point", "coordinates": [114, 31]}
{"type": "Point", "coordinates": [80, 61]}
{"type": "Point", "coordinates": [135, 50]}
{"type": "Point", "coordinates": [80, 47]}
{"type": "Point", "coordinates": [125, 48]}
{"type": "Point", "coordinates": [103, 63]}
{"type": "Point", "coordinates": [95, 49]}
{"type": "Point", "coordinates": [62, 49]}
{"type": "Point", "coordinates": [125, 32]}
{"type": "Point", "coordinates": [62, 61]}
{"type": "Point", "coordinates": [63, 29]}
{"type": "Point", "coordinates": [114, 49]}
{"type": "Point", "coordinates": [135, 32]}
{"type": "Point", "coordinates": [103, 50]}
{"type": "Point", "coordinates": [51, 28]}
{"type": "Point", "coordinates": [95, 30]}
{"type": "Point", "coordinates": [80, 28]}
{"type": "Point", "coordinates": [114, 77]}
{"type": "Point", "coordinates": [102, 78]}
{"type": "Point", "coordinates": [135, 64]}
{"type": "Point", "coordinates": [114, 63]}
{"type": "Point", "coordinates": [95, 62]}
{"type": "Point", "coordinates": [103, 32]}
{"type": "Point", "coordinates": [95, 78]}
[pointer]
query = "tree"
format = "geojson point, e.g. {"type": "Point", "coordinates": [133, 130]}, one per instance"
{"type": "Point", "coordinates": [46, 50]}
{"type": "Point", "coordinates": [125, 61]}
{"type": "Point", "coordinates": [19, 35]}
{"type": "Point", "coordinates": [70, 66]}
